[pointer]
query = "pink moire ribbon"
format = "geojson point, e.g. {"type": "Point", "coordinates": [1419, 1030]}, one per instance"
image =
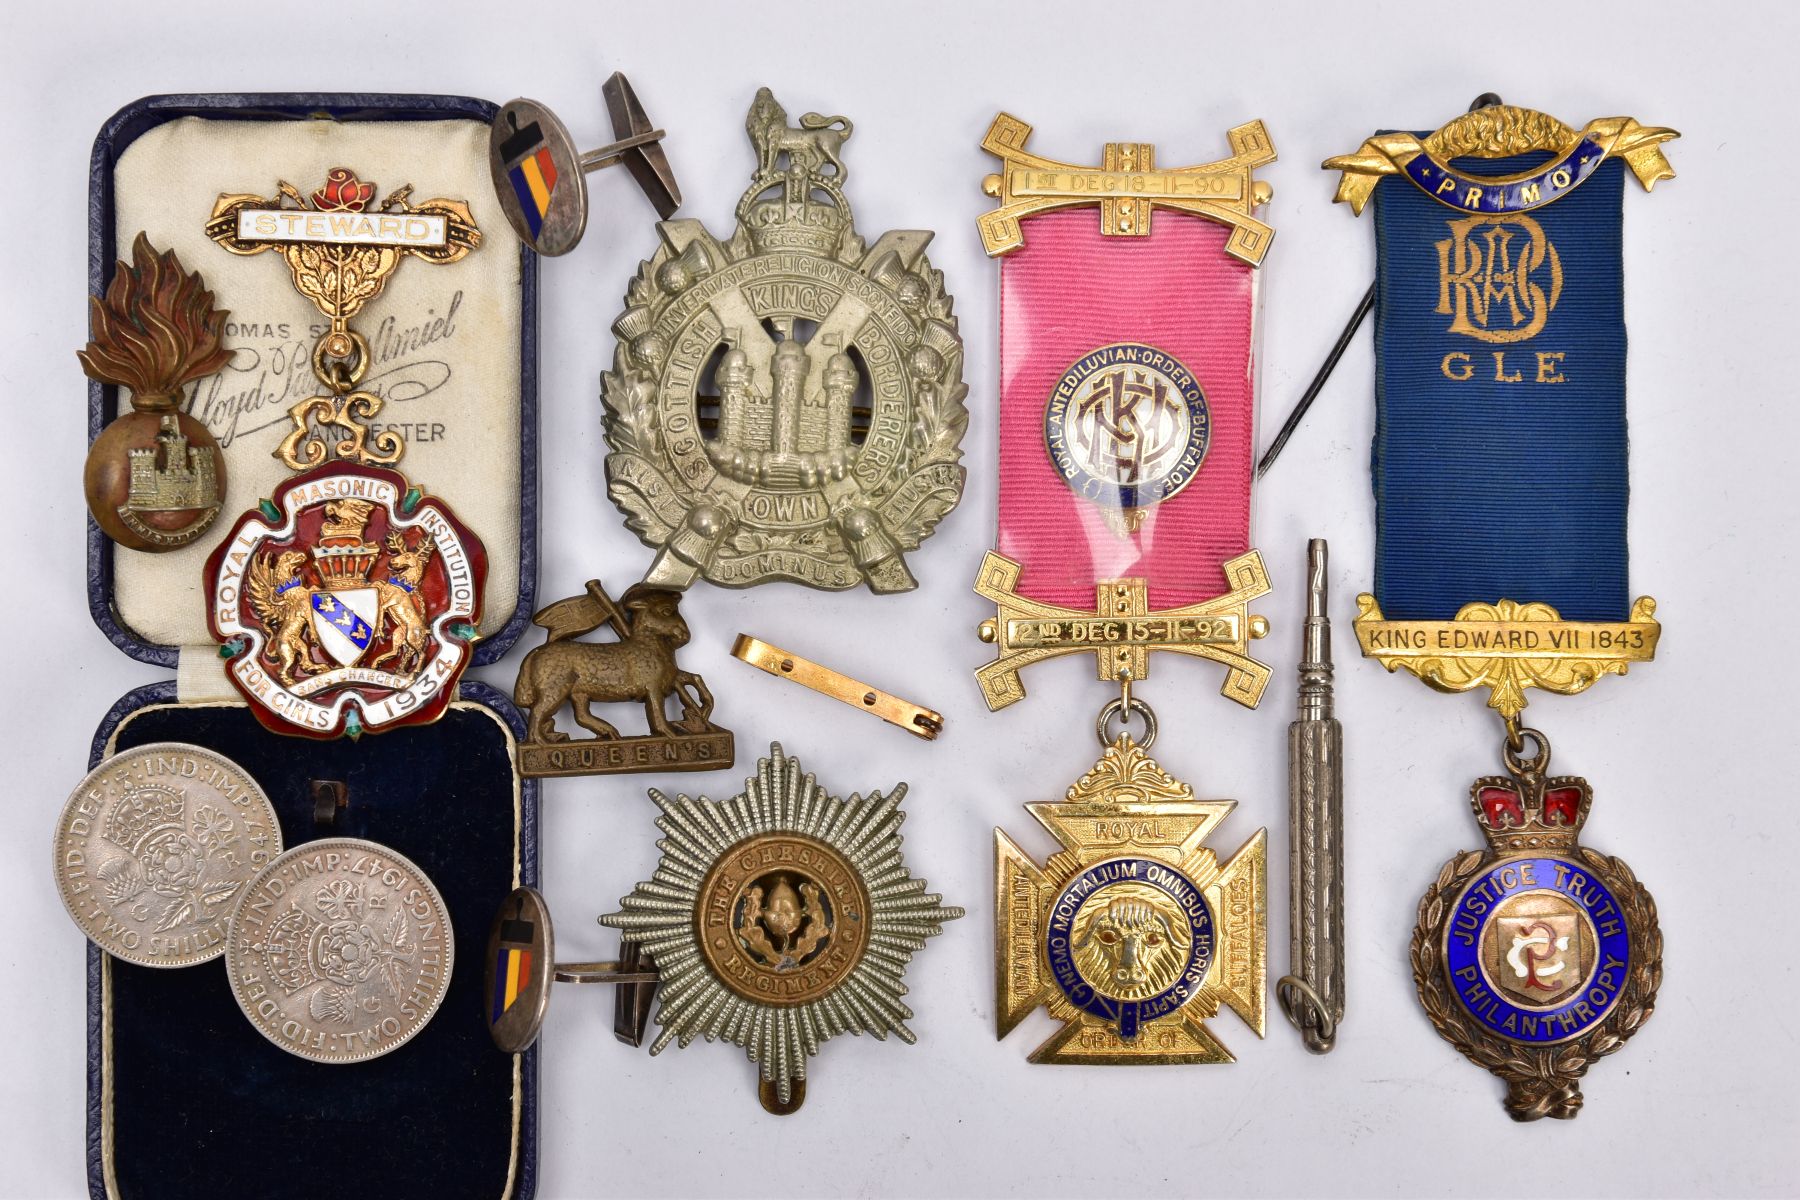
{"type": "Point", "coordinates": [1068, 291]}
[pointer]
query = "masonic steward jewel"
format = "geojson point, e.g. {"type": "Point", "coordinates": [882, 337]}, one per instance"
{"type": "Point", "coordinates": [786, 403]}
{"type": "Point", "coordinates": [342, 248]}
{"type": "Point", "coordinates": [1536, 956]}
{"type": "Point", "coordinates": [1134, 934]}
{"type": "Point", "coordinates": [154, 478]}
{"type": "Point", "coordinates": [780, 918]}
{"type": "Point", "coordinates": [348, 601]}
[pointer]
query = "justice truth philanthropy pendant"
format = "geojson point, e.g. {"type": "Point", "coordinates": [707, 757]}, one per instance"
{"type": "Point", "coordinates": [1536, 956]}
{"type": "Point", "coordinates": [348, 602]}
{"type": "Point", "coordinates": [787, 403]}
{"type": "Point", "coordinates": [1134, 934]}
{"type": "Point", "coordinates": [154, 478]}
{"type": "Point", "coordinates": [1500, 332]}
{"type": "Point", "coordinates": [780, 918]}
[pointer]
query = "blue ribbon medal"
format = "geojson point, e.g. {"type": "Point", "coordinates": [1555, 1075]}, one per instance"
{"type": "Point", "coordinates": [1500, 473]}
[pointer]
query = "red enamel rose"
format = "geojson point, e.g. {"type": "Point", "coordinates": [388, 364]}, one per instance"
{"type": "Point", "coordinates": [342, 192]}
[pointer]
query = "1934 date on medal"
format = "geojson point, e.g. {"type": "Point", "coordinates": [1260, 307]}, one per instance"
{"type": "Point", "coordinates": [154, 849]}
{"type": "Point", "coordinates": [786, 403]}
{"type": "Point", "coordinates": [340, 950]}
{"type": "Point", "coordinates": [348, 602]}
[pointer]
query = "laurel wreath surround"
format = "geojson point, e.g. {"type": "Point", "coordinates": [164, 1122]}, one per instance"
{"type": "Point", "coordinates": [1542, 1081]}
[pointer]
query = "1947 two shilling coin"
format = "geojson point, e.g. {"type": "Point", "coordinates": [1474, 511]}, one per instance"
{"type": "Point", "coordinates": [340, 950]}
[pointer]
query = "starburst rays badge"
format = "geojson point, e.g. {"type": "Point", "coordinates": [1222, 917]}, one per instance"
{"type": "Point", "coordinates": [780, 918]}
{"type": "Point", "coordinates": [1134, 934]}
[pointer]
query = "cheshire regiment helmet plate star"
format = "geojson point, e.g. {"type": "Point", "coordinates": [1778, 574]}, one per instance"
{"type": "Point", "coordinates": [786, 403]}
{"type": "Point", "coordinates": [780, 918]}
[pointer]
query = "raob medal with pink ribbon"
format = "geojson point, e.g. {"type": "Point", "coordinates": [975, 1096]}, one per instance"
{"type": "Point", "coordinates": [1128, 297]}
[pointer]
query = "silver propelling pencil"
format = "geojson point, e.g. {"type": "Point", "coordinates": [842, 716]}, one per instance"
{"type": "Point", "coordinates": [1312, 994]}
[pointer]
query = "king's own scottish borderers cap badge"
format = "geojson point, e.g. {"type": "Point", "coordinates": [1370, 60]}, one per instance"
{"type": "Point", "coordinates": [1500, 329]}
{"type": "Point", "coordinates": [786, 403]}
{"type": "Point", "coordinates": [1127, 405]}
{"type": "Point", "coordinates": [776, 920]}
{"type": "Point", "coordinates": [347, 602]}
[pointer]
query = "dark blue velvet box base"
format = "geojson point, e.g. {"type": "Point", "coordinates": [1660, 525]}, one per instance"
{"type": "Point", "coordinates": [186, 1098]}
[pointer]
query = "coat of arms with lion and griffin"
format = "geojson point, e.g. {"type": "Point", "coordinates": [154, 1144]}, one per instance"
{"type": "Point", "coordinates": [354, 610]}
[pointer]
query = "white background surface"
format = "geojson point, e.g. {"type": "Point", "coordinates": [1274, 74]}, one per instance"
{"type": "Point", "coordinates": [1691, 758]}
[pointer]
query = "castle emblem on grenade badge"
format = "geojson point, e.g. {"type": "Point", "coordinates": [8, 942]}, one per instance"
{"type": "Point", "coordinates": [787, 403]}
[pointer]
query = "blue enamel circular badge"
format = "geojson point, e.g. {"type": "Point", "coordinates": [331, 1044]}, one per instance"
{"type": "Point", "coordinates": [1129, 940]}
{"type": "Point", "coordinates": [1537, 949]}
{"type": "Point", "coordinates": [1127, 425]}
